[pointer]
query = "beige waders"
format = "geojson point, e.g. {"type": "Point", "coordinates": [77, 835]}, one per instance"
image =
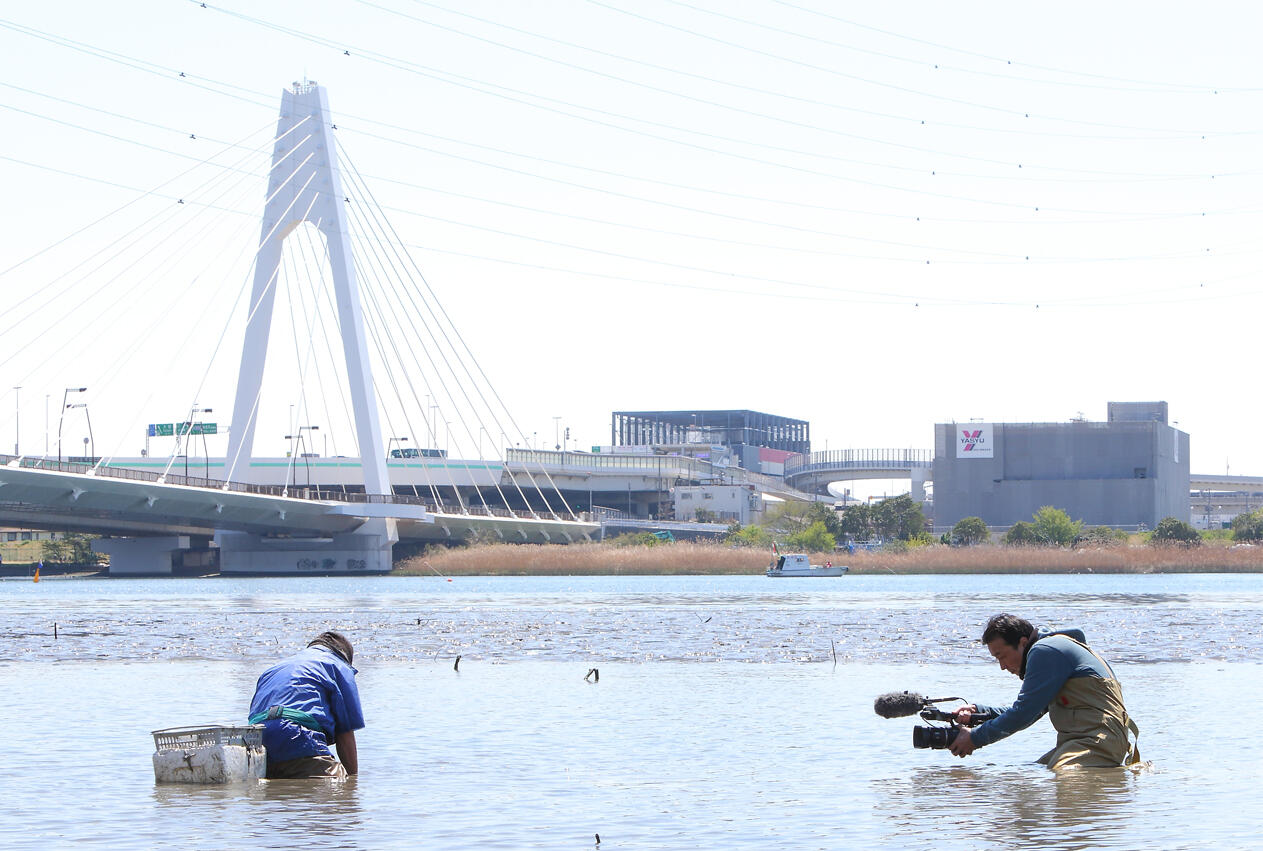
{"type": "Point", "coordinates": [1091, 723]}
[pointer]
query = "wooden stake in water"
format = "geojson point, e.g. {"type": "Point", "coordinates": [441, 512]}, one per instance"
{"type": "Point", "coordinates": [593, 675]}
{"type": "Point", "coordinates": [54, 630]}
{"type": "Point", "coordinates": [456, 665]}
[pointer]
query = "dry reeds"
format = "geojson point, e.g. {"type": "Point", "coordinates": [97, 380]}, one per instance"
{"type": "Point", "coordinates": [682, 558]}
{"type": "Point", "coordinates": [1116, 559]}
{"type": "Point", "coordinates": [685, 558]}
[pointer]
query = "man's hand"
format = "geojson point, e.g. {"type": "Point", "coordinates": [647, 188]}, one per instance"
{"type": "Point", "coordinates": [962, 715]}
{"type": "Point", "coordinates": [963, 745]}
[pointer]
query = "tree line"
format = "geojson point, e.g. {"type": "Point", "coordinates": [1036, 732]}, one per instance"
{"type": "Point", "coordinates": [1052, 527]}
{"type": "Point", "coordinates": [900, 522]}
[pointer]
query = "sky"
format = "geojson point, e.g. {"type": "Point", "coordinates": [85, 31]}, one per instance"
{"type": "Point", "coordinates": [874, 217]}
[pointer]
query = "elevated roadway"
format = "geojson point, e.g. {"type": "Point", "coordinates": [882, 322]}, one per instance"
{"type": "Point", "coordinates": [813, 473]}
{"type": "Point", "coordinates": [185, 513]}
{"type": "Point", "coordinates": [1229, 484]}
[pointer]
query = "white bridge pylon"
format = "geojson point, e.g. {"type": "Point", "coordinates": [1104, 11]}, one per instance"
{"type": "Point", "coordinates": [305, 186]}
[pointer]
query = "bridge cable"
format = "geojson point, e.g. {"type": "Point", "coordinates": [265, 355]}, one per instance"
{"type": "Point", "coordinates": [435, 309]}
{"type": "Point", "coordinates": [429, 305]}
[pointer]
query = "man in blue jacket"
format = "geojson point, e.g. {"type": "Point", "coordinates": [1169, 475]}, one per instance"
{"type": "Point", "coordinates": [1062, 676]}
{"type": "Point", "coordinates": [305, 703]}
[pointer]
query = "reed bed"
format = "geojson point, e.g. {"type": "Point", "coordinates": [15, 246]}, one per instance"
{"type": "Point", "coordinates": [1116, 559]}
{"type": "Point", "coordinates": [682, 558]}
{"type": "Point", "coordinates": [716, 559]}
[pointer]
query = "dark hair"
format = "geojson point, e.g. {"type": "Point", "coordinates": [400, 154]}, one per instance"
{"type": "Point", "coordinates": [336, 642]}
{"type": "Point", "coordinates": [1009, 627]}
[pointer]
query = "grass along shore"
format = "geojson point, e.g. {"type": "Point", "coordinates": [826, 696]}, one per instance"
{"type": "Point", "coordinates": [694, 559]}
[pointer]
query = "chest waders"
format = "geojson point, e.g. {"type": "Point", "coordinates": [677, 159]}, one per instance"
{"type": "Point", "coordinates": [1091, 723]}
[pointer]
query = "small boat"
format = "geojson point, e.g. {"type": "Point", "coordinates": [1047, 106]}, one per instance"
{"type": "Point", "coordinates": [797, 565]}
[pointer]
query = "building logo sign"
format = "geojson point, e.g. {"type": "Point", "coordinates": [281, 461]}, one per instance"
{"type": "Point", "coordinates": [975, 442]}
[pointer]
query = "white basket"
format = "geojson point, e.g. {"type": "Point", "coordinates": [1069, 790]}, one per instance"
{"type": "Point", "coordinates": [209, 754]}
{"type": "Point", "coordinates": [205, 736]}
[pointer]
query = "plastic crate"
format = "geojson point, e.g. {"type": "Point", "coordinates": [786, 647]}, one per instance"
{"type": "Point", "coordinates": [206, 736]}
{"type": "Point", "coordinates": [209, 753]}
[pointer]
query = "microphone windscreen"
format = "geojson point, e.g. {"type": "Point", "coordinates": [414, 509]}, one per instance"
{"type": "Point", "coordinates": [898, 704]}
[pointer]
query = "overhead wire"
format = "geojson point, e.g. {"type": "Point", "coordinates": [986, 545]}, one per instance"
{"type": "Point", "coordinates": [540, 101]}
{"type": "Point", "coordinates": [1010, 62]}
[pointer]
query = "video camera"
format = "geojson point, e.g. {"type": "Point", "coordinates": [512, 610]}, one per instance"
{"type": "Point", "coordinates": [900, 704]}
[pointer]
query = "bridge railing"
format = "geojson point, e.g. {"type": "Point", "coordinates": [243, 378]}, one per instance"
{"type": "Point", "coordinates": [860, 459]}
{"type": "Point", "coordinates": [597, 461]}
{"type": "Point", "coordinates": [663, 466]}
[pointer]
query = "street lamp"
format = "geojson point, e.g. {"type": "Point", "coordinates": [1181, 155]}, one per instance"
{"type": "Point", "coordinates": [88, 416]}
{"type": "Point", "coordinates": [302, 447]}
{"type": "Point", "coordinates": [62, 417]}
{"type": "Point", "coordinates": [557, 434]}
{"type": "Point", "coordinates": [87, 440]}
{"type": "Point", "coordinates": [17, 422]}
{"type": "Point", "coordinates": [193, 412]}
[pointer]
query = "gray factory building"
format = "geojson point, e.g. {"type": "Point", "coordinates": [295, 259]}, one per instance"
{"type": "Point", "coordinates": [1129, 471]}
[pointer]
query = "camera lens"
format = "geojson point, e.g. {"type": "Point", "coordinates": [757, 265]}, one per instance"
{"type": "Point", "coordinates": [938, 738]}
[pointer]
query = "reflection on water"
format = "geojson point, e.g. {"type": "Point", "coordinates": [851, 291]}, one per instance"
{"type": "Point", "coordinates": [296, 813]}
{"type": "Point", "coordinates": [1020, 806]}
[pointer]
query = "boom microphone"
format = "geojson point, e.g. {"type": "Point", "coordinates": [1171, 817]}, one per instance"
{"type": "Point", "coordinates": [898, 704]}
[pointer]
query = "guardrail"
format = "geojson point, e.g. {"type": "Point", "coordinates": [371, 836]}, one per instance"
{"type": "Point", "coordinates": [293, 492]}
{"type": "Point", "coordinates": [661, 466]}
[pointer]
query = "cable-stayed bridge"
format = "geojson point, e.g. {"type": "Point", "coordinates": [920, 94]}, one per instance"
{"type": "Point", "coordinates": [370, 342]}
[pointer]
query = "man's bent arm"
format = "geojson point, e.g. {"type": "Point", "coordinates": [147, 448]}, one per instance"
{"type": "Point", "coordinates": [1046, 673]}
{"type": "Point", "coordinates": [347, 753]}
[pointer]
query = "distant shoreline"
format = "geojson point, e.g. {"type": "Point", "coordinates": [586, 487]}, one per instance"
{"type": "Point", "coordinates": [698, 559]}
{"type": "Point", "coordinates": [61, 571]}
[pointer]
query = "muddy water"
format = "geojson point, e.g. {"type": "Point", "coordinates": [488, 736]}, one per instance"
{"type": "Point", "coordinates": [721, 718]}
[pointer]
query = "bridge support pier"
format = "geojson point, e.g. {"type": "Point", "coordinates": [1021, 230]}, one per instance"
{"type": "Point", "coordinates": [368, 549]}
{"type": "Point", "coordinates": [919, 475]}
{"type": "Point", "coordinates": [143, 556]}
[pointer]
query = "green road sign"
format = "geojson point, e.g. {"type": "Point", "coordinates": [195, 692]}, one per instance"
{"type": "Point", "coordinates": [195, 428]}
{"type": "Point", "coordinates": [172, 429]}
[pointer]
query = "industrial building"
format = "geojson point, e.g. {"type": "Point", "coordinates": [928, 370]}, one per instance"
{"type": "Point", "coordinates": [750, 439]}
{"type": "Point", "coordinates": [1129, 472]}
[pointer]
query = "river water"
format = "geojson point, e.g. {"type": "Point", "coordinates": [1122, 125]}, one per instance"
{"type": "Point", "coordinates": [730, 712]}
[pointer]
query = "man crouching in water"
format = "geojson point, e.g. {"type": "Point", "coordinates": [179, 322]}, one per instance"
{"type": "Point", "coordinates": [305, 703]}
{"type": "Point", "coordinates": [1063, 677]}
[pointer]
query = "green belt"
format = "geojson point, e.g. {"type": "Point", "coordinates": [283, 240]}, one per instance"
{"type": "Point", "coordinates": [296, 715]}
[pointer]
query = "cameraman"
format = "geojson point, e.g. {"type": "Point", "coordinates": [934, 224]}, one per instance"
{"type": "Point", "coordinates": [1063, 677]}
